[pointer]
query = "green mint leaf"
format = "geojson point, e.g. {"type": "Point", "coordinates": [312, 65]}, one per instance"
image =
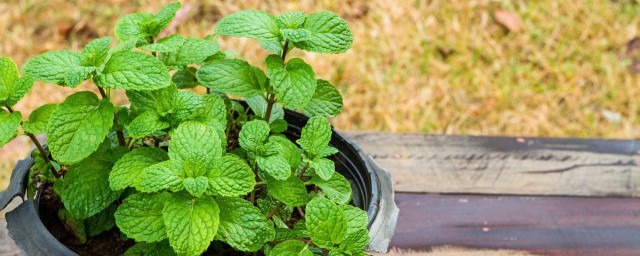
{"type": "Point", "coordinates": [12, 88]}
{"type": "Point", "coordinates": [286, 234]}
{"type": "Point", "coordinates": [230, 76]}
{"type": "Point", "coordinates": [292, 191]}
{"type": "Point", "coordinates": [164, 18]}
{"type": "Point", "coordinates": [261, 77]}
{"type": "Point", "coordinates": [278, 222]}
{"type": "Point", "coordinates": [249, 23]}
{"type": "Point", "coordinates": [127, 45]}
{"type": "Point", "coordinates": [100, 222]}
{"type": "Point", "coordinates": [192, 50]}
{"type": "Point", "coordinates": [183, 104]}
{"type": "Point", "coordinates": [220, 128]}
{"type": "Point", "coordinates": [85, 188]}
{"type": "Point", "coordinates": [146, 124]}
{"type": "Point", "coordinates": [164, 175]}
{"type": "Point", "coordinates": [289, 150]}
{"type": "Point", "coordinates": [140, 217]}
{"type": "Point", "coordinates": [78, 126]}
{"type": "Point", "coordinates": [274, 165]}
{"type": "Point", "coordinates": [301, 228]}
{"type": "Point", "coordinates": [294, 84]}
{"type": "Point", "coordinates": [329, 33]}
{"type": "Point", "coordinates": [20, 88]}
{"type": "Point", "coordinates": [8, 76]}
{"type": "Point", "coordinates": [326, 101]}
{"type": "Point", "coordinates": [315, 136]}
{"type": "Point", "coordinates": [58, 67]}
{"type": "Point", "coordinates": [296, 35]}
{"type": "Point", "coordinates": [95, 53]}
{"type": "Point", "coordinates": [268, 149]}
{"type": "Point", "coordinates": [151, 249]}
{"type": "Point", "coordinates": [195, 145]}
{"type": "Point", "coordinates": [326, 222]}
{"type": "Point", "coordinates": [158, 101]}
{"type": "Point", "coordinates": [213, 111]}
{"type": "Point", "coordinates": [291, 20]}
{"type": "Point", "coordinates": [242, 225]}
{"type": "Point", "coordinates": [134, 27]}
{"type": "Point", "coordinates": [231, 176]}
{"type": "Point", "coordinates": [185, 78]}
{"type": "Point", "coordinates": [167, 44]}
{"type": "Point", "coordinates": [356, 218]}
{"type": "Point", "coordinates": [253, 134]}
{"type": "Point", "coordinates": [220, 55]}
{"type": "Point", "coordinates": [129, 168]}
{"type": "Point", "coordinates": [259, 106]}
{"type": "Point", "coordinates": [291, 248]}
{"type": "Point", "coordinates": [132, 70]}
{"type": "Point", "coordinates": [39, 119]}
{"type": "Point", "coordinates": [271, 45]}
{"type": "Point", "coordinates": [323, 167]}
{"type": "Point", "coordinates": [196, 186]}
{"type": "Point", "coordinates": [75, 76]}
{"type": "Point", "coordinates": [278, 126]}
{"type": "Point", "coordinates": [326, 151]}
{"type": "Point", "coordinates": [9, 124]}
{"type": "Point", "coordinates": [355, 242]}
{"type": "Point", "coordinates": [191, 223]}
{"type": "Point", "coordinates": [337, 188]}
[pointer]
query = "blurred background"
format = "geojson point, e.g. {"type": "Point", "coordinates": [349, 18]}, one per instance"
{"type": "Point", "coordinates": [480, 67]}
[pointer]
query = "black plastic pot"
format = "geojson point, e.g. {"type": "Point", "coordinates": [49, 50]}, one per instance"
{"type": "Point", "coordinates": [372, 191]}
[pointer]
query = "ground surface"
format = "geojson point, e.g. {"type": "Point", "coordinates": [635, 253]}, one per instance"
{"type": "Point", "coordinates": [534, 68]}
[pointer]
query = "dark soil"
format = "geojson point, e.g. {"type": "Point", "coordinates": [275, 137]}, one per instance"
{"type": "Point", "coordinates": [107, 243]}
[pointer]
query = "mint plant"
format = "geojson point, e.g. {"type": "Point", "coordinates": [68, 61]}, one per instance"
{"type": "Point", "coordinates": [185, 173]}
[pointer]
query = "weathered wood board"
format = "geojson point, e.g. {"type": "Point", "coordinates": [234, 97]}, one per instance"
{"type": "Point", "coordinates": [539, 225]}
{"type": "Point", "coordinates": [506, 165]}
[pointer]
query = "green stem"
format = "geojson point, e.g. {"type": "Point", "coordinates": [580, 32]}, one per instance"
{"type": "Point", "coordinates": [285, 49]}
{"type": "Point", "coordinates": [35, 141]}
{"type": "Point", "coordinates": [119, 132]}
{"type": "Point", "coordinates": [275, 209]}
{"type": "Point", "coordinates": [132, 143]}
{"type": "Point", "coordinates": [271, 98]}
{"type": "Point", "coordinates": [151, 41]}
{"type": "Point", "coordinates": [103, 93]}
{"type": "Point", "coordinates": [304, 169]}
{"type": "Point", "coordinates": [300, 211]}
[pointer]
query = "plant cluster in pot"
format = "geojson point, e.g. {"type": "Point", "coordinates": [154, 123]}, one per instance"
{"type": "Point", "coordinates": [182, 173]}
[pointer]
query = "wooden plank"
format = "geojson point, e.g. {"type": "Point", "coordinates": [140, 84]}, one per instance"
{"type": "Point", "coordinates": [457, 251]}
{"type": "Point", "coordinates": [540, 225]}
{"type": "Point", "coordinates": [506, 165]}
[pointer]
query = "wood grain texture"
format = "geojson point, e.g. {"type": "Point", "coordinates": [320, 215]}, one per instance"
{"type": "Point", "coordinates": [539, 225]}
{"type": "Point", "coordinates": [506, 165]}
